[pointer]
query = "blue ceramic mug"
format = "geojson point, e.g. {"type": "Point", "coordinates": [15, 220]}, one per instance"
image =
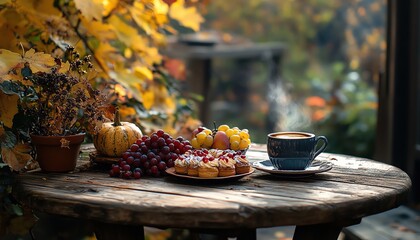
{"type": "Point", "coordinates": [294, 150]}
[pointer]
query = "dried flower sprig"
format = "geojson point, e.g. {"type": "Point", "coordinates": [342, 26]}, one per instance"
{"type": "Point", "coordinates": [64, 103]}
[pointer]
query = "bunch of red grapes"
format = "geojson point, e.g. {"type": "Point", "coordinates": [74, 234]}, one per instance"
{"type": "Point", "coordinates": [150, 156]}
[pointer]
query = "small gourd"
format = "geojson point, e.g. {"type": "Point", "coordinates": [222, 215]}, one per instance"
{"type": "Point", "coordinates": [116, 137]}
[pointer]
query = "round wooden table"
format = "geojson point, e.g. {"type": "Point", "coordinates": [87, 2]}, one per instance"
{"type": "Point", "coordinates": [319, 205]}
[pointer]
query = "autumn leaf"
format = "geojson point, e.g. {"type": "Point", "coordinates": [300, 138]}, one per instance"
{"type": "Point", "coordinates": [124, 31]}
{"type": "Point", "coordinates": [8, 60]}
{"type": "Point", "coordinates": [99, 30]}
{"type": "Point", "coordinates": [38, 61]}
{"type": "Point", "coordinates": [8, 108]}
{"type": "Point", "coordinates": [143, 72]}
{"type": "Point", "coordinates": [17, 157]}
{"type": "Point", "coordinates": [91, 9]}
{"type": "Point", "coordinates": [186, 16]}
{"type": "Point", "coordinates": [108, 6]}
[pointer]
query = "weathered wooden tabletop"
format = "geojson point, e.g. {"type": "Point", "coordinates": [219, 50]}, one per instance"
{"type": "Point", "coordinates": [319, 205]}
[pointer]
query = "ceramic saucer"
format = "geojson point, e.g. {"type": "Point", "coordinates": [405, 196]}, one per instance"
{"type": "Point", "coordinates": [317, 166]}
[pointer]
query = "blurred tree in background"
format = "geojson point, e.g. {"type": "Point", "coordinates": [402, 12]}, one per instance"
{"type": "Point", "coordinates": [335, 53]}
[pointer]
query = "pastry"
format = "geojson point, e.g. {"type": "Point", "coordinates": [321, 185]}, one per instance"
{"type": "Point", "coordinates": [242, 164]}
{"type": "Point", "coordinates": [226, 166]}
{"type": "Point", "coordinates": [216, 152]}
{"type": "Point", "coordinates": [193, 166]}
{"type": "Point", "coordinates": [181, 164]}
{"type": "Point", "coordinates": [208, 167]}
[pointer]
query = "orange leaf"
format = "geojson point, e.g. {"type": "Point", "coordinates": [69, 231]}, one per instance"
{"type": "Point", "coordinates": [315, 101]}
{"type": "Point", "coordinates": [17, 157]}
{"type": "Point", "coordinates": [8, 108]}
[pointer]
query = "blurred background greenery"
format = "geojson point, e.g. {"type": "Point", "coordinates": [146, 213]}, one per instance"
{"type": "Point", "coordinates": [329, 75]}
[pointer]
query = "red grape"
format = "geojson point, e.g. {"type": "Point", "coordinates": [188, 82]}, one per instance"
{"type": "Point", "coordinates": [161, 142]}
{"type": "Point", "coordinates": [144, 149]}
{"type": "Point", "coordinates": [126, 167]}
{"type": "Point", "coordinates": [154, 137]}
{"type": "Point", "coordinates": [127, 174]}
{"type": "Point", "coordinates": [154, 169]}
{"type": "Point", "coordinates": [160, 132]}
{"type": "Point", "coordinates": [136, 162]}
{"type": "Point", "coordinates": [162, 166]}
{"type": "Point", "coordinates": [165, 149]}
{"type": "Point", "coordinates": [136, 175]}
{"type": "Point", "coordinates": [125, 155]}
{"type": "Point", "coordinates": [170, 163]}
{"type": "Point", "coordinates": [130, 160]}
{"type": "Point", "coordinates": [153, 161]}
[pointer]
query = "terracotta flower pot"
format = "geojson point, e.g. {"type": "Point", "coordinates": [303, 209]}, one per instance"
{"type": "Point", "coordinates": [57, 153]}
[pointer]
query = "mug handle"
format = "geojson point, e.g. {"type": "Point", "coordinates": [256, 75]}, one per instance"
{"type": "Point", "coordinates": [322, 148]}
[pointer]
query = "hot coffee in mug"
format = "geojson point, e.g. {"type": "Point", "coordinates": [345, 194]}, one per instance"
{"type": "Point", "coordinates": [294, 150]}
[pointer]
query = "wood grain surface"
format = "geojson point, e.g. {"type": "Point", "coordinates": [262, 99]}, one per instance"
{"type": "Point", "coordinates": [354, 188]}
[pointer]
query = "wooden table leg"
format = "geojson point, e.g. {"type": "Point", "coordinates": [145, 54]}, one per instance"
{"type": "Point", "coordinates": [107, 231]}
{"type": "Point", "coordinates": [319, 231]}
{"type": "Point", "coordinates": [219, 234]}
{"type": "Point", "coordinates": [326, 231]}
{"type": "Point", "coordinates": [246, 234]}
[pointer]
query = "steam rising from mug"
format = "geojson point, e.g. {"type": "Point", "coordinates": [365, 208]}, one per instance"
{"type": "Point", "coordinates": [290, 115]}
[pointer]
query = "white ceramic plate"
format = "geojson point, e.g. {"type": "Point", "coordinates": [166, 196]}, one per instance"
{"type": "Point", "coordinates": [316, 167]}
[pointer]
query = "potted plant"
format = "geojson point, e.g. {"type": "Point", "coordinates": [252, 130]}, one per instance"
{"type": "Point", "coordinates": [59, 107]}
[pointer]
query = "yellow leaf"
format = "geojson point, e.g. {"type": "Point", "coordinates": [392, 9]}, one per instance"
{"type": "Point", "coordinates": [104, 53]}
{"type": "Point", "coordinates": [143, 72]}
{"type": "Point", "coordinates": [8, 108]}
{"type": "Point", "coordinates": [160, 7]}
{"type": "Point", "coordinates": [38, 61]}
{"type": "Point", "coordinates": [124, 31]}
{"type": "Point", "coordinates": [17, 157]}
{"type": "Point", "coordinates": [108, 6]}
{"type": "Point", "coordinates": [140, 17]}
{"type": "Point", "coordinates": [64, 68]}
{"type": "Point", "coordinates": [148, 99]}
{"type": "Point", "coordinates": [5, 1]}
{"type": "Point", "coordinates": [8, 60]}
{"type": "Point", "coordinates": [91, 9]}
{"type": "Point", "coordinates": [129, 81]}
{"type": "Point", "coordinates": [101, 31]}
{"type": "Point", "coordinates": [186, 16]}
